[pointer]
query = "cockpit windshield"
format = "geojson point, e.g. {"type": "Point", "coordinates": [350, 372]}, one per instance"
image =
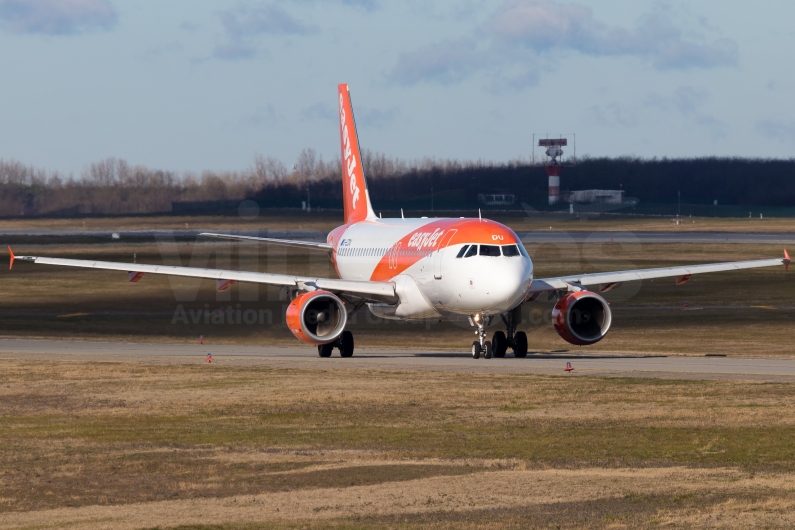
{"type": "Point", "coordinates": [510, 251]}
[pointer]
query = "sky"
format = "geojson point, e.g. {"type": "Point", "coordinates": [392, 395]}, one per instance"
{"type": "Point", "coordinates": [189, 85]}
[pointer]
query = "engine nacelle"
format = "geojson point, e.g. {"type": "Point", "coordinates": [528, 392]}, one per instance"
{"type": "Point", "coordinates": [582, 318]}
{"type": "Point", "coordinates": [317, 317]}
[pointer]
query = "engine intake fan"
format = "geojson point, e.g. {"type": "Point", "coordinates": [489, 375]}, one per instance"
{"type": "Point", "coordinates": [582, 318]}
{"type": "Point", "coordinates": [317, 317]}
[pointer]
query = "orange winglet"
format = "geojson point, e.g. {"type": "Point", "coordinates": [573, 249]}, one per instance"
{"type": "Point", "coordinates": [786, 259]}
{"type": "Point", "coordinates": [11, 263]}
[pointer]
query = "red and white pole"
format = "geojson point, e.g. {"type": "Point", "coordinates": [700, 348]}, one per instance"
{"type": "Point", "coordinates": [554, 183]}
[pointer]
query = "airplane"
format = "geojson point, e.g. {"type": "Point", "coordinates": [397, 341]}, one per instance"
{"type": "Point", "coordinates": [411, 269]}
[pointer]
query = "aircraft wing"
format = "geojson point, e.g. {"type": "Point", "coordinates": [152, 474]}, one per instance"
{"type": "Point", "coordinates": [608, 280]}
{"type": "Point", "coordinates": [371, 291]}
{"type": "Point", "coordinates": [286, 242]}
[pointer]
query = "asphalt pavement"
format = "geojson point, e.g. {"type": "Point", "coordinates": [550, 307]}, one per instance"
{"type": "Point", "coordinates": [583, 362]}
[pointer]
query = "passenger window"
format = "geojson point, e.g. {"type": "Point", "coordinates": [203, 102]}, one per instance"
{"type": "Point", "coordinates": [472, 251]}
{"type": "Point", "coordinates": [489, 250]}
{"type": "Point", "coordinates": [510, 250]}
{"type": "Point", "coordinates": [462, 251]}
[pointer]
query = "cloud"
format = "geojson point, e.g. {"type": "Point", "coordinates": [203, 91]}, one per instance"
{"type": "Point", "coordinates": [777, 129]}
{"type": "Point", "coordinates": [533, 32]}
{"type": "Point", "coordinates": [235, 49]}
{"type": "Point", "coordinates": [376, 118]}
{"type": "Point", "coordinates": [546, 25]}
{"type": "Point", "coordinates": [190, 27]}
{"type": "Point", "coordinates": [367, 5]}
{"type": "Point", "coordinates": [243, 24]}
{"type": "Point", "coordinates": [263, 117]}
{"type": "Point", "coordinates": [365, 116]}
{"type": "Point", "coordinates": [684, 100]}
{"type": "Point", "coordinates": [446, 63]}
{"type": "Point", "coordinates": [687, 101]}
{"type": "Point", "coordinates": [320, 112]}
{"type": "Point", "coordinates": [165, 49]}
{"type": "Point", "coordinates": [613, 115]}
{"type": "Point", "coordinates": [56, 17]}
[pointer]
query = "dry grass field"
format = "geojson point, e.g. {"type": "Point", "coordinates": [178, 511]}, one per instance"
{"type": "Point", "coordinates": [191, 445]}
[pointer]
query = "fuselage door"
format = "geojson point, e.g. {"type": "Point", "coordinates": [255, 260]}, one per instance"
{"type": "Point", "coordinates": [437, 258]}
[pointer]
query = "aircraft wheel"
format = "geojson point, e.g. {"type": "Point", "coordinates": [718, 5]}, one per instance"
{"type": "Point", "coordinates": [324, 350]}
{"type": "Point", "coordinates": [520, 344]}
{"type": "Point", "coordinates": [476, 350]}
{"type": "Point", "coordinates": [346, 344]}
{"type": "Point", "coordinates": [499, 344]}
{"type": "Point", "coordinates": [487, 349]}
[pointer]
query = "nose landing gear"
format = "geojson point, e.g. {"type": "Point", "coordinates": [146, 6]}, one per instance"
{"type": "Point", "coordinates": [500, 341]}
{"type": "Point", "coordinates": [481, 345]}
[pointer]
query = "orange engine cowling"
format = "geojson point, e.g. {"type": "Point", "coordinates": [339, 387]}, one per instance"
{"type": "Point", "coordinates": [317, 317]}
{"type": "Point", "coordinates": [582, 318]}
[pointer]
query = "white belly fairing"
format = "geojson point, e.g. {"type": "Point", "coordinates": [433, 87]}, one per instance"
{"type": "Point", "coordinates": [412, 305]}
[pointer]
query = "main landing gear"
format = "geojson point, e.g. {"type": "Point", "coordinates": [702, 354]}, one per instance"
{"type": "Point", "coordinates": [500, 341]}
{"type": "Point", "coordinates": [344, 343]}
{"type": "Point", "coordinates": [516, 340]}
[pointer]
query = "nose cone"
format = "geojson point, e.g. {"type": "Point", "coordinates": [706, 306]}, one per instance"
{"type": "Point", "coordinates": [491, 284]}
{"type": "Point", "coordinates": [507, 282]}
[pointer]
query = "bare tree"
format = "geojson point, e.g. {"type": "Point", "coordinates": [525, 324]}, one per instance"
{"type": "Point", "coordinates": [306, 164]}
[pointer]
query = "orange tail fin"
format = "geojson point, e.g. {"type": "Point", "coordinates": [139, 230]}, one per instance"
{"type": "Point", "coordinates": [354, 187]}
{"type": "Point", "coordinates": [11, 257]}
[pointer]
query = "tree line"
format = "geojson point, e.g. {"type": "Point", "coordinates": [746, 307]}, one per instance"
{"type": "Point", "coordinates": [113, 186]}
{"type": "Point", "coordinates": [730, 181]}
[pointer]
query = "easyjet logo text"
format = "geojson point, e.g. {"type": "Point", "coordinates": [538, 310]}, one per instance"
{"type": "Point", "coordinates": [348, 159]}
{"type": "Point", "coordinates": [425, 239]}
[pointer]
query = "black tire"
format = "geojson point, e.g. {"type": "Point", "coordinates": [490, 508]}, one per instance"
{"type": "Point", "coordinates": [346, 344]}
{"type": "Point", "coordinates": [487, 350]}
{"type": "Point", "coordinates": [324, 350]}
{"type": "Point", "coordinates": [476, 350]}
{"type": "Point", "coordinates": [499, 344]}
{"type": "Point", "coordinates": [520, 344]}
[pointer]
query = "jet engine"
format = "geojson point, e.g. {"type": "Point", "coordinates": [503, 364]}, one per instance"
{"type": "Point", "coordinates": [582, 318]}
{"type": "Point", "coordinates": [317, 317]}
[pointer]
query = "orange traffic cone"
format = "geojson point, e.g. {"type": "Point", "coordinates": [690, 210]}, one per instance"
{"type": "Point", "coordinates": [568, 367]}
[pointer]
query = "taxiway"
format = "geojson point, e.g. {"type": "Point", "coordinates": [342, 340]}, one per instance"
{"type": "Point", "coordinates": [549, 363]}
